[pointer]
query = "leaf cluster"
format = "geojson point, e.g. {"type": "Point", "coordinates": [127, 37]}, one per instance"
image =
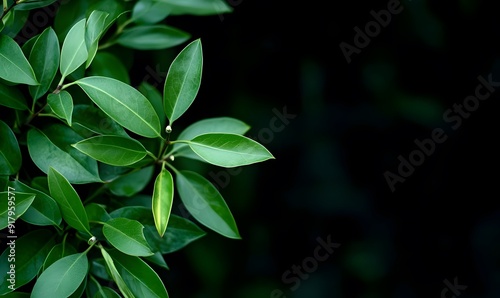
{"type": "Point", "coordinates": [80, 145]}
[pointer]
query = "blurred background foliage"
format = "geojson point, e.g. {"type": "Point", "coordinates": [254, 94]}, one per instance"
{"type": "Point", "coordinates": [351, 122]}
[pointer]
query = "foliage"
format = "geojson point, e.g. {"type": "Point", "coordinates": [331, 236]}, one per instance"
{"type": "Point", "coordinates": [80, 145]}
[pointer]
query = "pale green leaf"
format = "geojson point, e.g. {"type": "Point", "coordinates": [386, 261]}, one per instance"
{"type": "Point", "coordinates": [125, 291]}
{"type": "Point", "coordinates": [163, 196]}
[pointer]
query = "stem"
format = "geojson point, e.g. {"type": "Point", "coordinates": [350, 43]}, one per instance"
{"type": "Point", "coordinates": [172, 168]}
{"type": "Point", "coordinates": [167, 141]}
{"type": "Point", "coordinates": [112, 39]}
{"type": "Point", "coordinates": [32, 116]}
{"type": "Point", "coordinates": [6, 9]}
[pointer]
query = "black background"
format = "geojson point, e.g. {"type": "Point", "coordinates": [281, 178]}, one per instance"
{"type": "Point", "coordinates": [352, 122]}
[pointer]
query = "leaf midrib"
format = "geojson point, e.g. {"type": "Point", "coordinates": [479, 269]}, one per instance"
{"type": "Point", "coordinates": [131, 110]}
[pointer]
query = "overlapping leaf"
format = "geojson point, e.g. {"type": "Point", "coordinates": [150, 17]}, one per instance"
{"type": "Point", "coordinates": [127, 236]}
{"type": "Point", "coordinates": [71, 206]}
{"type": "Point", "coordinates": [113, 150]}
{"type": "Point", "coordinates": [10, 153]}
{"type": "Point", "coordinates": [62, 278]}
{"type": "Point", "coordinates": [44, 58]}
{"type": "Point", "coordinates": [124, 104]}
{"type": "Point", "coordinates": [31, 250]}
{"type": "Point", "coordinates": [15, 67]}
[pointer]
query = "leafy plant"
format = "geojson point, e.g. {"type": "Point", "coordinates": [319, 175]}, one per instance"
{"type": "Point", "coordinates": [80, 146]}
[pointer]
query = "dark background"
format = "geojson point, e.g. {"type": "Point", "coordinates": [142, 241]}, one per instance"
{"type": "Point", "coordinates": [352, 122]}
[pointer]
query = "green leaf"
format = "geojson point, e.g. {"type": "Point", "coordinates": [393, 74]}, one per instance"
{"type": "Point", "coordinates": [15, 67]}
{"type": "Point", "coordinates": [154, 96]}
{"type": "Point", "coordinates": [108, 65]}
{"type": "Point", "coordinates": [210, 125]}
{"type": "Point", "coordinates": [89, 120]}
{"type": "Point", "coordinates": [45, 153]}
{"type": "Point", "coordinates": [149, 11]}
{"type": "Point", "coordinates": [14, 21]}
{"type": "Point", "coordinates": [139, 213]}
{"type": "Point", "coordinates": [10, 153]}
{"type": "Point", "coordinates": [116, 275]}
{"type": "Point", "coordinates": [198, 7]}
{"type": "Point", "coordinates": [180, 232]}
{"type": "Point", "coordinates": [30, 5]}
{"type": "Point", "coordinates": [31, 250]}
{"type": "Point", "coordinates": [62, 278]}
{"type": "Point", "coordinates": [57, 252]}
{"type": "Point", "coordinates": [14, 204]}
{"type": "Point", "coordinates": [105, 292]}
{"type": "Point", "coordinates": [74, 50]}
{"type": "Point", "coordinates": [163, 197]}
{"type": "Point", "coordinates": [141, 279]}
{"type": "Point", "coordinates": [113, 150]}
{"type": "Point", "coordinates": [228, 150]}
{"type": "Point", "coordinates": [158, 260]}
{"type": "Point", "coordinates": [127, 236]}
{"type": "Point", "coordinates": [131, 183]}
{"type": "Point", "coordinates": [206, 204]}
{"type": "Point", "coordinates": [152, 37]}
{"type": "Point", "coordinates": [62, 105]}
{"type": "Point", "coordinates": [44, 210]}
{"type": "Point", "coordinates": [183, 81]}
{"type": "Point", "coordinates": [124, 104]}
{"type": "Point", "coordinates": [12, 97]}
{"type": "Point", "coordinates": [96, 24]}
{"type": "Point", "coordinates": [44, 57]}
{"type": "Point", "coordinates": [71, 206]}
{"type": "Point", "coordinates": [97, 212]}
